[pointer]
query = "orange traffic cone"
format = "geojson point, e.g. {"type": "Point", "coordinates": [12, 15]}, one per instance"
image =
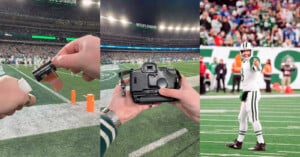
{"type": "Point", "coordinates": [90, 103]}
{"type": "Point", "coordinates": [73, 97]}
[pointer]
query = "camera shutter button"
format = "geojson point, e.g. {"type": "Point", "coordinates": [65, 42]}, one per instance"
{"type": "Point", "coordinates": [162, 83]}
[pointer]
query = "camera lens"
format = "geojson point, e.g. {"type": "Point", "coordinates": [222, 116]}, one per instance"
{"type": "Point", "coordinates": [162, 83]}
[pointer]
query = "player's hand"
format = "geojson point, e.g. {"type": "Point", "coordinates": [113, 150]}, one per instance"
{"type": "Point", "coordinates": [124, 107]}
{"type": "Point", "coordinates": [82, 54]}
{"type": "Point", "coordinates": [256, 62]}
{"type": "Point", "coordinates": [12, 97]}
{"type": "Point", "coordinates": [188, 99]}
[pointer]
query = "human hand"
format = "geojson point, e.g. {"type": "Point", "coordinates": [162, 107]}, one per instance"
{"type": "Point", "coordinates": [124, 107]}
{"type": "Point", "coordinates": [12, 97]}
{"type": "Point", "coordinates": [82, 54]}
{"type": "Point", "coordinates": [188, 99]}
{"type": "Point", "coordinates": [256, 62]}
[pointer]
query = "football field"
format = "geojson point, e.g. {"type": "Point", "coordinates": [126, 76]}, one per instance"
{"type": "Point", "coordinates": [162, 131]}
{"type": "Point", "coordinates": [280, 120]}
{"type": "Point", "coordinates": [52, 127]}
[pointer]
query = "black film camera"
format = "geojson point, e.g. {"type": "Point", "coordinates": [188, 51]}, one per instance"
{"type": "Point", "coordinates": [146, 81]}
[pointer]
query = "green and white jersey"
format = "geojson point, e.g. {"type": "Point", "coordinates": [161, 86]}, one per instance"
{"type": "Point", "coordinates": [251, 75]}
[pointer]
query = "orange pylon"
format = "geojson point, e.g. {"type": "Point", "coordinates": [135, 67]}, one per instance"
{"type": "Point", "coordinates": [73, 97]}
{"type": "Point", "coordinates": [90, 103]}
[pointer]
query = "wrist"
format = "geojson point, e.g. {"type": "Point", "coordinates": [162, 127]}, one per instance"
{"type": "Point", "coordinates": [112, 116]}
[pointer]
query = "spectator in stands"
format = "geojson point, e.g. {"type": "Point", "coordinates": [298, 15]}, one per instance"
{"type": "Point", "coordinates": [267, 72]}
{"type": "Point", "coordinates": [12, 97]}
{"type": "Point", "coordinates": [236, 72]}
{"type": "Point", "coordinates": [202, 70]}
{"type": "Point", "coordinates": [253, 20]}
{"type": "Point", "coordinates": [287, 69]}
{"type": "Point", "coordinates": [225, 25]}
{"type": "Point", "coordinates": [221, 71]}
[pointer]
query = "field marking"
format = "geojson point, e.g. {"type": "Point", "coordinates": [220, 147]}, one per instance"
{"type": "Point", "coordinates": [109, 78]}
{"type": "Point", "coordinates": [265, 121]}
{"type": "Point", "coordinates": [264, 112]}
{"type": "Point", "coordinates": [235, 127]}
{"type": "Point", "coordinates": [162, 141]}
{"type": "Point", "coordinates": [292, 152]}
{"type": "Point", "coordinates": [49, 118]}
{"type": "Point", "coordinates": [223, 154]}
{"type": "Point", "coordinates": [237, 96]}
{"type": "Point", "coordinates": [223, 133]}
{"type": "Point", "coordinates": [68, 74]}
{"type": "Point", "coordinates": [43, 86]}
{"type": "Point", "coordinates": [211, 115]}
{"type": "Point", "coordinates": [277, 144]}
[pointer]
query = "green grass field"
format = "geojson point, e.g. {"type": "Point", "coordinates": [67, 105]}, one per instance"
{"type": "Point", "coordinates": [110, 78]}
{"type": "Point", "coordinates": [279, 118]}
{"type": "Point", "coordinates": [156, 123]}
{"type": "Point", "coordinates": [70, 82]}
{"type": "Point", "coordinates": [66, 143]}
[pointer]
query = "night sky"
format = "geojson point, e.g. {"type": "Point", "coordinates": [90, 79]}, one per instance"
{"type": "Point", "coordinates": [154, 12]}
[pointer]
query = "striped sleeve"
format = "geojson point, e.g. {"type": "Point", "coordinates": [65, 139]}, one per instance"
{"type": "Point", "coordinates": [108, 133]}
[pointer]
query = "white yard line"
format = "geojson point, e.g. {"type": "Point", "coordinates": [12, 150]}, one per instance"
{"type": "Point", "coordinates": [43, 119]}
{"type": "Point", "coordinates": [109, 78]}
{"type": "Point", "coordinates": [162, 141]}
{"type": "Point", "coordinates": [237, 96]}
{"type": "Point", "coordinates": [43, 86]}
{"type": "Point", "coordinates": [68, 74]}
{"type": "Point", "coordinates": [235, 127]}
{"type": "Point", "coordinates": [281, 117]}
{"type": "Point", "coordinates": [265, 121]}
{"type": "Point", "coordinates": [238, 155]}
{"type": "Point", "coordinates": [223, 133]}
{"type": "Point", "coordinates": [277, 144]}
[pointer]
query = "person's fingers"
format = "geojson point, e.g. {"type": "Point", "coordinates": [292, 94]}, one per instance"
{"type": "Point", "coordinates": [31, 100]}
{"type": "Point", "coordinates": [2, 116]}
{"type": "Point", "coordinates": [183, 80]}
{"type": "Point", "coordinates": [69, 61]}
{"type": "Point", "coordinates": [11, 112]}
{"type": "Point", "coordinates": [87, 77]}
{"type": "Point", "coordinates": [174, 93]}
{"type": "Point", "coordinates": [75, 70]}
{"type": "Point", "coordinates": [19, 107]}
{"type": "Point", "coordinates": [126, 80]}
{"type": "Point", "coordinates": [71, 47]}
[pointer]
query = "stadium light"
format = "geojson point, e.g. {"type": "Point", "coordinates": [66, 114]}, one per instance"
{"type": "Point", "coordinates": [99, 3]}
{"type": "Point", "coordinates": [170, 28]}
{"type": "Point", "coordinates": [87, 3]}
{"type": "Point", "coordinates": [185, 29]}
{"type": "Point", "coordinates": [178, 28]}
{"type": "Point", "coordinates": [124, 21]}
{"type": "Point", "coordinates": [161, 27]}
{"type": "Point", "coordinates": [111, 19]}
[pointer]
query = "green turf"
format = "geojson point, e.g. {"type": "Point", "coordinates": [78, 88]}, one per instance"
{"type": "Point", "coordinates": [150, 126]}
{"type": "Point", "coordinates": [186, 68]}
{"type": "Point", "coordinates": [67, 143]}
{"type": "Point", "coordinates": [280, 122]}
{"type": "Point", "coordinates": [238, 93]}
{"type": "Point", "coordinates": [70, 82]}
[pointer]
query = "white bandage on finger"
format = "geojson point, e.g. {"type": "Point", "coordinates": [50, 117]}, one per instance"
{"type": "Point", "coordinates": [24, 85]}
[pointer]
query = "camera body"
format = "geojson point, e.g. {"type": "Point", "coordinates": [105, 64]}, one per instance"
{"type": "Point", "coordinates": [146, 82]}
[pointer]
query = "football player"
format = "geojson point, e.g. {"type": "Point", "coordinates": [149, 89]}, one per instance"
{"type": "Point", "coordinates": [251, 71]}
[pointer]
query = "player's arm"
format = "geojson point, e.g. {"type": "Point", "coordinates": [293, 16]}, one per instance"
{"type": "Point", "coordinates": [255, 64]}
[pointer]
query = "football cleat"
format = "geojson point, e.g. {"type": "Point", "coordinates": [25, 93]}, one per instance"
{"type": "Point", "coordinates": [258, 147]}
{"type": "Point", "coordinates": [235, 144]}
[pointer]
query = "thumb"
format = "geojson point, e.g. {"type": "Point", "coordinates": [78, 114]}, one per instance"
{"type": "Point", "coordinates": [68, 61]}
{"type": "Point", "coordinates": [174, 93]}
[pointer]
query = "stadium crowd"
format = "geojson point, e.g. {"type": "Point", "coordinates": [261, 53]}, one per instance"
{"type": "Point", "coordinates": [131, 56]}
{"type": "Point", "coordinates": [17, 53]}
{"type": "Point", "coordinates": [266, 23]}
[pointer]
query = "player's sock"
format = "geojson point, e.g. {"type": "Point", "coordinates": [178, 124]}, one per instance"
{"type": "Point", "coordinates": [258, 131]}
{"type": "Point", "coordinates": [241, 136]}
